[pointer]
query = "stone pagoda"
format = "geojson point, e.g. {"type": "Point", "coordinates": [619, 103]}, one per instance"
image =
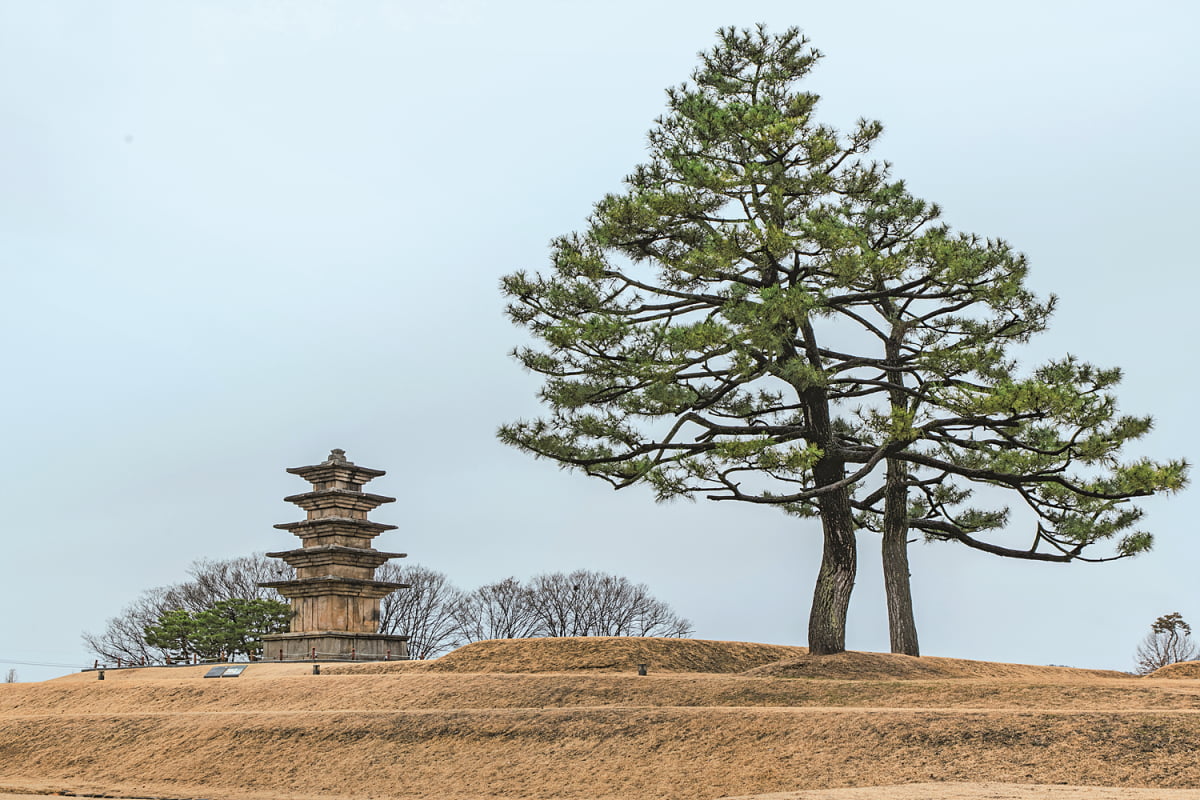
{"type": "Point", "coordinates": [335, 597]}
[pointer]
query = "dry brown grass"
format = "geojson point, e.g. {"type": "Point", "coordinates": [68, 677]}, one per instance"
{"type": "Point", "coordinates": [982, 791]}
{"type": "Point", "coordinates": [852, 666]}
{"type": "Point", "coordinates": [1184, 669]}
{"type": "Point", "coordinates": [582, 725]}
{"type": "Point", "coordinates": [612, 654]}
{"type": "Point", "coordinates": [264, 689]}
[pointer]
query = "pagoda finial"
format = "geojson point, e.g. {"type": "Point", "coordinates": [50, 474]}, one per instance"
{"type": "Point", "coordinates": [337, 456]}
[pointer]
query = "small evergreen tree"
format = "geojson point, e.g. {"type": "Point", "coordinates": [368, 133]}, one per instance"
{"type": "Point", "coordinates": [237, 626]}
{"type": "Point", "coordinates": [176, 635]}
{"type": "Point", "coordinates": [227, 629]}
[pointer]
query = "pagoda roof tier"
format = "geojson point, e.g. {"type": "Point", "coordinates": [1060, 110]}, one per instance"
{"type": "Point", "coordinates": [346, 526]}
{"type": "Point", "coordinates": [336, 468]}
{"type": "Point", "coordinates": [348, 499]}
{"type": "Point", "coordinates": [341, 555]}
{"type": "Point", "coordinates": [332, 585]}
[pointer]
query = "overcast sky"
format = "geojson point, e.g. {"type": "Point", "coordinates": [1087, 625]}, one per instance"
{"type": "Point", "coordinates": [234, 235]}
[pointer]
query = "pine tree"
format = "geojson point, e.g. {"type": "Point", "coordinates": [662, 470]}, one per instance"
{"type": "Point", "coordinates": [764, 316]}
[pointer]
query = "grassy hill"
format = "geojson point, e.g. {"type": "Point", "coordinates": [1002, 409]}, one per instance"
{"type": "Point", "coordinates": [570, 718]}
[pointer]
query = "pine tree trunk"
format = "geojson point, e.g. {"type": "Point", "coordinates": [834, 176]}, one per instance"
{"type": "Point", "coordinates": [902, 626]}
{"type": "Point", "coordinates": [839, 554]}
{"type": "Point", "coordinates": [896, 577]}
{"type": "Point", "coordinates": [839, 561]}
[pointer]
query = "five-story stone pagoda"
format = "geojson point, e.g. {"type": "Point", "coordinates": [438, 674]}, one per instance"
{"type": "Point", "coordinates": [335, 597]}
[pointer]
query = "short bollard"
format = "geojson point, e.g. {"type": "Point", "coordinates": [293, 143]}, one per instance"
{"type": "Point", "coordinates": [100, 675]}
{"type": "Point", "coordinates": [641, 669]}
{"type": "Point", "coordinates": [316, 669]}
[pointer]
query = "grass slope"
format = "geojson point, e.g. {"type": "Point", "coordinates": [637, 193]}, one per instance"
{"type": "Point", "coordinates": [602, 654]}
{"type": "Point", "coordinates": [572, 719]}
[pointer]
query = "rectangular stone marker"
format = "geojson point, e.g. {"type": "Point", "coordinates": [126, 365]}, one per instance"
{"type": "Point", "coordinates": [226, 671]}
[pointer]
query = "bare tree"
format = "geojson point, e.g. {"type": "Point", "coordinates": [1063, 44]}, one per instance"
{"type": "Point", "coordinates": [123, 637]}
{"type": "Point", "coordinates": [1169, 642]}
{"type": "Point", "coordinates": [230, 579]}
{"type": "Point", "coordinates": [587, 603]}
{"type": "Point", "coordinates": [211, 582]}
{"type": "Point", "coordinates": [555, 601]}
{"type": "Point", "coordinates": [427, 612]}
{"type": "Point", "coordinates": [431, 611]}
{"type": "Point", "coordinates": [502, 610]}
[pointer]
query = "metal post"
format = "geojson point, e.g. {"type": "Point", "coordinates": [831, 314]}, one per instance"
{"type": "Point", "coordinates": [100, 675]}
{"type": "Point", "coordinates": [353, 653]}
{"type": "Point", "coordinates": [316, 669]}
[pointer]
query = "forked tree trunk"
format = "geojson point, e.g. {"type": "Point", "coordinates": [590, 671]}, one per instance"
{"type": "Point", "coordinates": [896, 577]}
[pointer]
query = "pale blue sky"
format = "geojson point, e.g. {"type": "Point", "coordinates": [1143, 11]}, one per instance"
{"type": "Point", "coordinates": [234, 235]}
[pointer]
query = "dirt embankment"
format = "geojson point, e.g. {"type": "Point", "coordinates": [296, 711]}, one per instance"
{"type": "Point", "coordinates": [572, 719]}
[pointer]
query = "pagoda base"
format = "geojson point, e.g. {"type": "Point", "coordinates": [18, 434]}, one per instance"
{"type": "Point", "coordinates": [334, 646]}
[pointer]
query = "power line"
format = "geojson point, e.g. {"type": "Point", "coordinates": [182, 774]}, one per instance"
{"type": "Point", "coordinates": [38, 663]}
